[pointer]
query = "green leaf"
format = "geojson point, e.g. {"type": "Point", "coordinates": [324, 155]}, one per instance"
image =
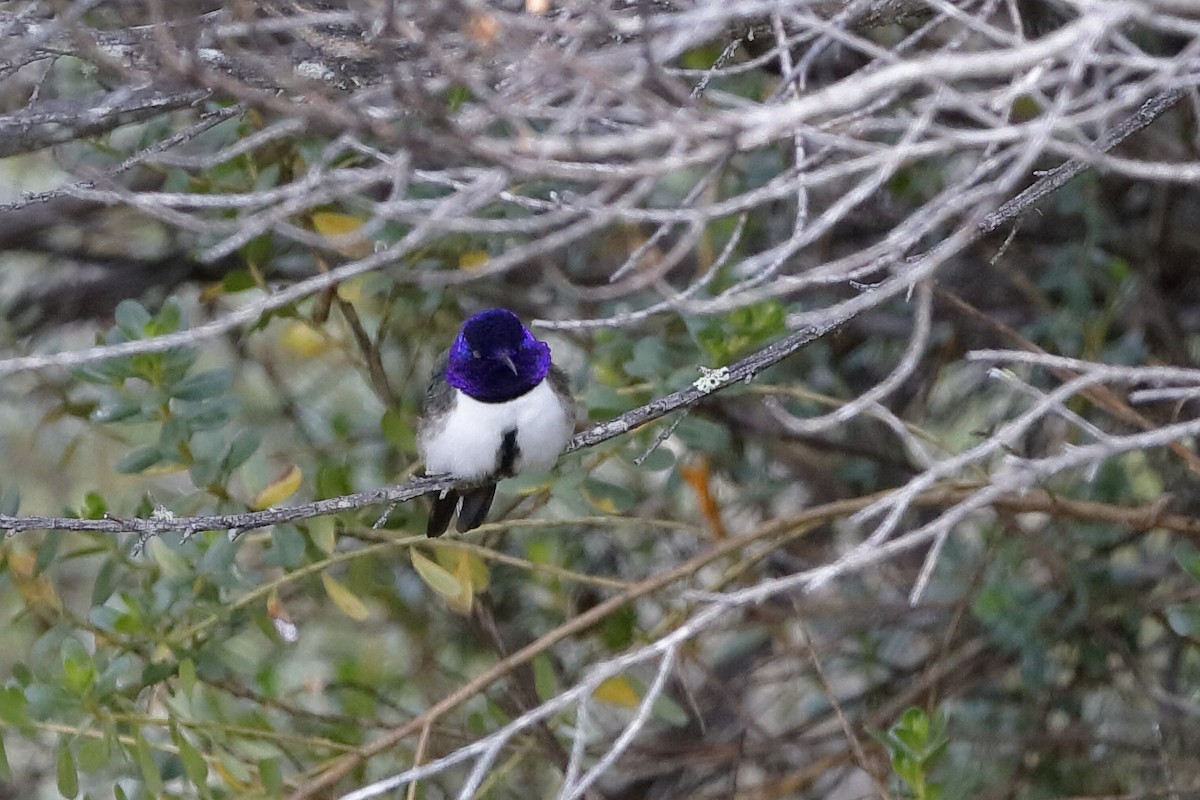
{"type": "Point", "coordinates": [93, 754]}
{"type": "Point", "coordinates": [187, 675]}
{"type": "Point", "coordinates": [202, 386]}
{"type": "Point", "coordinates": [670, 712]}
{"type": "Point", "coordinates": [545, 682]}
{"type": "Point", "coordinates": [176, 430]}
{"type": "Point", "coordinates": [240, 280]}
{"type": "Point", "coordinates": [132, 318]}
{"type": "Point", "coordinates": [287, 547]}
{"type": "Point", "coordinates": [67, 774]}
{"type": "Point", "coordinates": [167, 319]}
{"type": "Point", "coordinates": [617, 629]}
{"type": "Point", "coordinates": [233, 766]}
{"type": "Point", "coordinates": [5, 769]}
{"type": "Point", "coordinates": [172, 563]}
{"type": "Point", "coordinates": [47, 551]}
{"type": "Point", "coordinates": [244, 445]}
{"type": "Point", "coordinates": [193, 763]}
{"type": "Point", "coordinates": [660, 459]}
{"type": "Point", "coordinates": [118, 410]}
{"type": "Point", "coordinates": [106, 373]}
{"type": "Point", "coordinates": [106, 581]}
{"type": "Point", "coordinates": [79, 672]}
{"type": "Point", "coordinates": [151, 777]}
{"type": "Point", "coordinates": [140, 460]}
{"type": "Point", "coordinates": [271, 775]}
{"type": "Point", "coordinates": [1184, 619]}
{"type": "Point", "coordinates": [1188, 556]}
{"type": "Point", "coordinates": [333, 480]}
{"type": "Point", "coordinates": [175, 364]}
{"type": "Point", "coordinates": [94, 506]}
{"type": "Point", "coordinates": [603, 402]}
{"type": "Point", "coordinates": [649, 361]}
{"type": "Point", "coordinates": [703, 435]}
{"type": "Point", "coordinates": [212, 414]}
{"type": "Point", "coordinates": [608, 498]}
{"type": "Point", "coordinates": [204, 471]}
{"type": "Point", "coordinates": [218, 559]}
{"type": "Point", "coordinates": [14, 708]}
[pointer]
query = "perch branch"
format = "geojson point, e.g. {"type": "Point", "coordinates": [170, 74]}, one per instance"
{"type": "Point", "coordinates": [164, 521]}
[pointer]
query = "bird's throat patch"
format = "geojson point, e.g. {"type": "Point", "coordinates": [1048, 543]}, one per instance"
{"type": "Point", "coordinates": [506, 458]}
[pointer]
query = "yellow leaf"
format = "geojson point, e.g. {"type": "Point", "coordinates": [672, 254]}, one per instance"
{"type": "Point", "coordinates": [604, 505]}
{"type": "Point", "coordinates": [473, 259]}
{"type": "Point", "coordinates": [354, 290]}
{"type": "Point", "coordinates": [451, 557]}
{"type": "Point", "coordinates": [279, 489]}
{"type": "Point", "coordinates": [454, 587]}
{"type": "Point", "coordinates": [618, 691]}
{"type": "Point", "coordinates": [303, 339]}
{"type": "Point", "coordinates": [346, 600]}
{"type": "Point", "coordinates": [332, 223]}
{"type": "Point", "coordinates": [436, 577]}
{"type": "Point", "coordinates": [344, 229]}
{"type": "Point", "coordinates": [461, 604]}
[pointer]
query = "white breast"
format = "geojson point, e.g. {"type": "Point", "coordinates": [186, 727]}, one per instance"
{"type": "Point", "coordinates": [468, 442]}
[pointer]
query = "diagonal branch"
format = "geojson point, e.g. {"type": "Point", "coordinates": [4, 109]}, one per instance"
{"type": "Point", "coordinates": [163, 521]}
{"type": "Point", "coordinates": [1058, 177]}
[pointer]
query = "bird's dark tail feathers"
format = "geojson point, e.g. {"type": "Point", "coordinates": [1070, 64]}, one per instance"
{"type": "Point", "coordinates": [443, 509]}
{"type": "Point", "coordinates": [475, 506]}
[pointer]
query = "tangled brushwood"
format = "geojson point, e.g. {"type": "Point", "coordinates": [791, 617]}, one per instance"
{"type": "Point", "coordinates": [884, 313]}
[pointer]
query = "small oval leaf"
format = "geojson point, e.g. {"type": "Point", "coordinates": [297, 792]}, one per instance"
{"type": "Point", "coordinates": [202, 385]}
{"type": "Point", "coordinates": [438, 578]}
{"type": "Point", "coordinates": [323, 531]}
{"type": "Point", "coordinates": [618, 691]}
{"type": "Point", "coordinates": [193, 763]}
{"type": "Point", "coordinates": [462, 602]}
{"type": "Point", "coordinates": [240, 449]}
{"type": "Point", "coordinates": [131, 318]}
{"type": "Point", "coordinates": [151, 776]}
{"type": "Point", "coordinates": [333, 223]}
{"type": "Point", "coordinates": [140, 460]}
{"type": "Point", "coordinates": [279, 489]}
{"type": "Point", "coordinates": [116, 411]}
{"type": "Point", "coordinates": [169, 560]}
{"type": "Point", "coordinates": [5, 769]}
{"type": "Point", "coordinates": [68, 775]}
{"type": "Point", "coordinates": [346, 601]}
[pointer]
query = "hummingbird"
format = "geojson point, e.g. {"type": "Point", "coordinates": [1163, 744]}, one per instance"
{"type": "Point", "coordinates": [495, 406]}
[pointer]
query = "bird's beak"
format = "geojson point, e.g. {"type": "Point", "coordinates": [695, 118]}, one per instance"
{"type": "Point", "coordinates": [507, 359]}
